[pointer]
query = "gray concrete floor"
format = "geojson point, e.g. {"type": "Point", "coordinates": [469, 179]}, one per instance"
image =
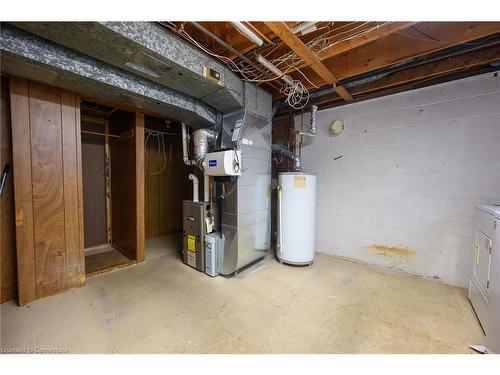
{"type": "Point", "coordinates": [163, 306]}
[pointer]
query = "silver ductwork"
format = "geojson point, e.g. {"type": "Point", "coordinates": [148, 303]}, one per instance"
{"type": "Point", "coordinates": [245, 201]}
{"type": "Point", "coordinates": [278, 149]}
{"type": "Point", "coordinates": [201, 140]}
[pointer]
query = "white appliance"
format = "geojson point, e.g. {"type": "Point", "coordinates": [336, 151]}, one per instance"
{"type": "Point", "coordinates": [296, 218]}
{"type": "Point", "coordinates": [484, 283]}
{"type": "Point", "coordinates": [214, 244]}
{"type": "Point", "coordinates": [223, 163]}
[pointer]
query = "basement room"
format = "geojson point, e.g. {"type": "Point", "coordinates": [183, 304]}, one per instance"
{"type": "Point", "coordinates": [250, 187]}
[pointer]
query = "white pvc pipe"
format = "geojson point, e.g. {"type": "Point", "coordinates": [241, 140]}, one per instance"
{"type": "Point", "coordinates": [279, 245]}
{"type": "Point", "coordinates": [304, 27]}
{"type": "Point", "coordinates": [274, 69]}
{"type": "Point", "coordinates": [185, 155]}
{"type": "Point", "coordinates": [240, 26]}
{"type": "Point", "coordinates": [195, 187]}
{"type": "Point", "coordinates": [206, 187]}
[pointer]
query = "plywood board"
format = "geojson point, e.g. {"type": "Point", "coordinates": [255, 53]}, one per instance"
{"type": "Point", "coordinates": [21, 153]}
{"type": "Point", "coordinates": [94, 190]}
{"type": "Point", "coordinates": [47, 180]}
{"type": "Point", "coordinates": [48, 189]}
{"type": "Point", "coordinates": [70, 139]}
{"type": "Point", "coordinates": [123, 183]}
{"type": "Point", "coordinates": [8, 273]}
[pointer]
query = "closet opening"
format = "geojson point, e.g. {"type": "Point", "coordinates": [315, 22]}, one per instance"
{"type": "Point", "coordinates": [166, 186]}
{"type": "Point", "coordinates": [109, 172]}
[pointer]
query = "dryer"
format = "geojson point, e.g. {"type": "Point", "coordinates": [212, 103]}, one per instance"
{"type": "Point", "coordinates": [484, 281]}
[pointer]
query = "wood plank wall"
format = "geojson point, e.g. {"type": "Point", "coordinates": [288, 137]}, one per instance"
{"type": "Point", "coordinates": [127, 183]}
{"type": "Point", "coordinates": [166, 188]}
{"type": "Point", "coordinates": [48, 191]}
{"type": "Point", "coordinates": [8, 281]}
{"type": "Point", "coordinates": [94, 186]}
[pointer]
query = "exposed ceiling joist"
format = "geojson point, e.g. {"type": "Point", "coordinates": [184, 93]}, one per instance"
{"type": "Point", "coordinates": [360, 41]}
{"type": "Point", "coordinates": [436, 68]}
{"type": "Point", "coordinates": [286, 34]}
{"type": "Point", "coordinates": [424, 72]}
{"type": "Point", "coordinates": [397, 48]}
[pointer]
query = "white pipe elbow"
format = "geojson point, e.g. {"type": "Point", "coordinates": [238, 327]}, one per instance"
{"type": "Point", "coordinates": [195, 187]}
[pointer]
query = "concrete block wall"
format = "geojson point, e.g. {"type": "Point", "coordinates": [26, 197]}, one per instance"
{"type": "Point", "coordinates": [413, 166]}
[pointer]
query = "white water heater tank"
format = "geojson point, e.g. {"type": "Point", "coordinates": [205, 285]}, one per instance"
{"type": "Point", "coordinates": [296, 218]}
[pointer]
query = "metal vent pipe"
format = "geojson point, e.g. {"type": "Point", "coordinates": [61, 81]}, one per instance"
{"type": "Point", "coordinates": [201, 139]}
{"type": "Point", "coordinates": [278, 149]}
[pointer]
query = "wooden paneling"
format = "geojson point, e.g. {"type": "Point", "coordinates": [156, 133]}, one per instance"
{"type": "Point", "coordinates": [70, 140]}
{"type": "Point", "coordinates": [21, 154]}
{"type": "Point", "coordinates": [45, 123]}
{"type": "Point", "coordinates": [165, 190]}
{"type": "Point", "coordinates": [94, 190]}
{"type": "Point", "coordinates": [127, 183]}
{"type": "Point", "coordinates": [48, 188]}
{"type": "Point", "coordinates": [81, 233]}
{"type": "Point", "coordinates": [139, 170]}
{"type": "Point", "coordinates": [8, 281]}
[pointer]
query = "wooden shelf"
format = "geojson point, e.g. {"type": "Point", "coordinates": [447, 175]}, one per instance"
{"type": "Point", "coordinates": [100, 134]}
{"type": "Point", "coordinates": [105, 261]}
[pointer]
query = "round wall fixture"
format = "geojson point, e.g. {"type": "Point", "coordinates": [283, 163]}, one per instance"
{"type": "Point", "coordinates": [337, 127]}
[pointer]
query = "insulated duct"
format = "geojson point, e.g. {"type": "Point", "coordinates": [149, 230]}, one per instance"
{"type": "Point", "coordinates": [278, 149]}
{"type": "Point", "coordinates": [201, 139]}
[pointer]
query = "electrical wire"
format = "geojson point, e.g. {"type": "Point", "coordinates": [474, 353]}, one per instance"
{"type": "Point", "coordinates": [161, 147]}
{"type": "Point", "coordinates": [297, 95]}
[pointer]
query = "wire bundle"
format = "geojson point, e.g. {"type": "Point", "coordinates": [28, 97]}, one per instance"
{"type": "Point", "coordinates": [160, 139]}
{"type": "Point", "coordinates": [297, 95]}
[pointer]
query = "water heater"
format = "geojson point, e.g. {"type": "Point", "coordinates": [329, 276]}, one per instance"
{"type": "Point", "coordinates": [296, 218]}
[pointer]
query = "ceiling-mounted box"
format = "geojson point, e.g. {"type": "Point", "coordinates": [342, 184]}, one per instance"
{"type": "Point", "coordinates": [211, 74]}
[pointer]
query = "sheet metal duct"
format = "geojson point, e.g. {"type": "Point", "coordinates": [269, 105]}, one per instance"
{"type": "Point", "coordinates": [246, 215]}
{"type": "Point", "coordinates": [150, 51]}
{"type": "Point", "coordinates": [26, 55]}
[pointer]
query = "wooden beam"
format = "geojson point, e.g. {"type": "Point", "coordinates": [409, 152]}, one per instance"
{"type": "Point", "coordinates": [433, 69]}
{"type": "Point", "coordinates": [286, 34]}
{"type": "Point", "coordinates": [385, 52]}
{"type": "Point", "coordinates": [360, 41]}
{"type": "Point", "coordinates": [427, 71]}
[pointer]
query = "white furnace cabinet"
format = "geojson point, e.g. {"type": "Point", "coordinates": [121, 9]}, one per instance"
{"type": "Point", "coordinates": [296, 218]}
{"type": "Point", "coordinates": [484, 283]}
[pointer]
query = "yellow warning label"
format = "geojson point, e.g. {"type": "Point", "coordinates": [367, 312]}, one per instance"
{"type": "Point", "coordinates": [299, 182]}
{"type": "Point", "coordinates": [191, 243]}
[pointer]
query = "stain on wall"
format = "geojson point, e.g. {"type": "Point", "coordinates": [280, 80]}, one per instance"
{"type": "Point", "coordinates": [392, 251]}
